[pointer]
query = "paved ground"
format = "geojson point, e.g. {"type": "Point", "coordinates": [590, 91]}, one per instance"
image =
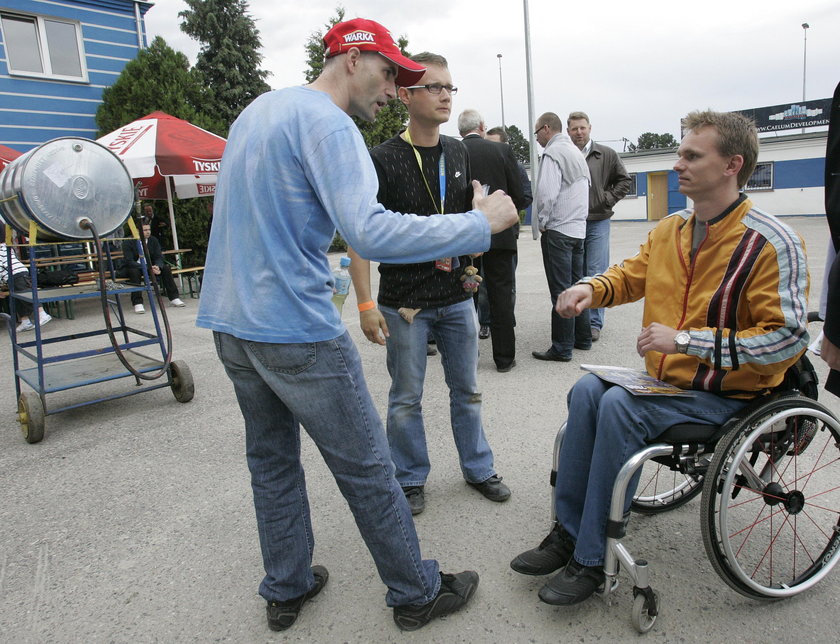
{"type": "Point", "coordinates": [133, 522]}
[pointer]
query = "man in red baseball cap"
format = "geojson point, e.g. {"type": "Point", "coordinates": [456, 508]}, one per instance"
{"type": "Point", "coordinates": [295, 169]}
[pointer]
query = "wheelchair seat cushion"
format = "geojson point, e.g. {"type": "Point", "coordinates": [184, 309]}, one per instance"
{"type": "Point", "coordinates": [687, 433]}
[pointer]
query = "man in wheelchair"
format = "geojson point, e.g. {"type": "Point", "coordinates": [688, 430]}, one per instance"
{"type": "Point", "coordinates": [725, 315]}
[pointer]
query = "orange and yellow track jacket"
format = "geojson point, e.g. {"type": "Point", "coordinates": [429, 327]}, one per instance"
{"type": "Point", "coordinates": [742, 297]}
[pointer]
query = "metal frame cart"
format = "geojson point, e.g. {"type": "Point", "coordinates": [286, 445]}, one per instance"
{"type": "Point", "coordinates": [79, 368]}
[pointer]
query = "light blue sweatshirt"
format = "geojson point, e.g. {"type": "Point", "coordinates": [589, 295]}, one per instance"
{"type": "Point", "coordinates": [295, 168]}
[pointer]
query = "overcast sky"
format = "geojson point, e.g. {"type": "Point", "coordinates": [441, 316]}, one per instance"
{"type": "Point", "coordinates": [634, 67]}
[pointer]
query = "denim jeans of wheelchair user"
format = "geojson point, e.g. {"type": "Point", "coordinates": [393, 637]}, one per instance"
{"type": "Point", "coordinates": [605, 427]}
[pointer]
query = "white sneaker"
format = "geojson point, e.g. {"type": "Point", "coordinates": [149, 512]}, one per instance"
{"type": "Point", "coordinates": [138, 308]}
{"type": "Point", "coordinates": [26, 325]}
{"type": "Point", "coordinates": [44, 318]}
{"type": "Point", "coordinates": [177, 302]}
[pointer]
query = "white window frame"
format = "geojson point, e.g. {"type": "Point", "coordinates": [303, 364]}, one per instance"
{"type": "Point", "coordinates": [751, 188]}
{"type": "Point", "coordinates": [43, 46]}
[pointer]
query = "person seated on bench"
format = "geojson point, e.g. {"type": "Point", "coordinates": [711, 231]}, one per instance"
{"type": "Point", "coordinates": [159, 268]}
{"type": "Point", "coordinates": [21, 283]}
{"type": "Point", "coordinates": [725, 315]}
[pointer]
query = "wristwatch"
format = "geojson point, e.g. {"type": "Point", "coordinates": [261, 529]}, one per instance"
{"type": "Point", "coordinates": [584, 280]}
{"type": "Point", "coordinates": [681, 341]}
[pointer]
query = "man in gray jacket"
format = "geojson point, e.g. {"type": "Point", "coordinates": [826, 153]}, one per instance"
{"type": "Point", "coordinates": [560, 206]}
{"type": "Point", "coordinates": [610, 184]}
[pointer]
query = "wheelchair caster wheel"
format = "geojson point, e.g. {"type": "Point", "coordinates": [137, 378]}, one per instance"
{"type": "Point", "coordinates": [645, 610]}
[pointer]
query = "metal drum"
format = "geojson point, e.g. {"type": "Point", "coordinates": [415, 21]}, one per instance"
{"type": "Point", "coordinates": [63, 181]}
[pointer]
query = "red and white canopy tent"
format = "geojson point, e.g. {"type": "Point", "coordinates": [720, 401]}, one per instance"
{"type": "Point", "coordinates": [167, 155]}
{"type": "Point", "coordinates": [7, 155]}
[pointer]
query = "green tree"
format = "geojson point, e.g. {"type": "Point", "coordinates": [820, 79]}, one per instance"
{"type": "Point", "coordinates": [653, 141]}
{"type": "Point", "coordinates": [390, 120]}
{"type": "Point", "coordinates": [159, 78]}
{"type": "Point", "coordinates": [229, 58]}
{"type": "Point", "coordinates": [517, 140]}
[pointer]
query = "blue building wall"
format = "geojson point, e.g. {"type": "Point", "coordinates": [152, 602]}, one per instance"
{"type": "Point", "coordinates": [799, 173]}
{"type": "Point", "coordinates": [676, 200]}
{"type": "Point", "coordinates": [36, 110]}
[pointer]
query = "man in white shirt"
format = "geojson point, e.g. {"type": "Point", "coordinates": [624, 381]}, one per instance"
{"type": "Point", "coordinates": [561, 205]}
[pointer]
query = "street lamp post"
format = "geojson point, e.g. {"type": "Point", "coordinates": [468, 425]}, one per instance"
{"type": "Point", "coordinates": [501, 89]}
{"type": "Point", "coordinates": [805, 26]}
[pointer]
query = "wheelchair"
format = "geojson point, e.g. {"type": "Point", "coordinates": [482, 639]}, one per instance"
{"type": "Point", "coordinates": [770, 484]}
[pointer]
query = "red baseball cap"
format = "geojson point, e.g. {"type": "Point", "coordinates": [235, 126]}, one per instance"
{"type": "Point", "coordinates": [367, 35]}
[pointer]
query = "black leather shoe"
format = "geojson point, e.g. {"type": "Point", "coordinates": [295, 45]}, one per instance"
{"type": "Point", "coordinates": [572, 585]}
{"type": "Point", "coordinates": [493, 489]}
{"type": "Point", "coordinates": [550, 355]}
{"type": "Point", "coordinates": [416, 498]}
{"type": "Point", "coordinates": [455, 591]}
{"type": "Point", "coordinates": [507, 368]}
{"type": "Point", "coordinates": [281, 615]}
{"type": "Point", "coordinates": [583, 347]}
{"type": "Point", "coordinates": [553, 553]}
{"type": "Point", "coordinates": [484, 332]}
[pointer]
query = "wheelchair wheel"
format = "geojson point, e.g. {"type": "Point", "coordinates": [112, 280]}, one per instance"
{"type": "Point", "coordinates": [770, 515]}
{"type": "Point", "coordinates": [662, 489]}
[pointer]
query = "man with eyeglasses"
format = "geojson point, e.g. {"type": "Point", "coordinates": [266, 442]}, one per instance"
{"type": "Point", "coordinates": [561, 205]}
{"type": "Point", "coordinates": [295, 168]}
{"type": "Point", "coordinates": [422, 171]}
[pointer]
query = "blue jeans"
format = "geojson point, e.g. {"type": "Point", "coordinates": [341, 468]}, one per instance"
{"type": "Point", "coordinates": [455, 329]}
{"type": "Point", "coordinates": [320, 385]}
{"type": "Point", "coordinates": [563, 264]}
{"type": "Point", "coordinates": [596, 253]}
{"type": "Point", "coordinates": [606, 426]}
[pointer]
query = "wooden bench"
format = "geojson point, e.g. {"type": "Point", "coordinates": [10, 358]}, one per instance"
{"type": "Point", "coordinates": [193, 275]}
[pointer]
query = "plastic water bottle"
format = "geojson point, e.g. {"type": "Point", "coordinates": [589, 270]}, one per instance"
{"type": "Point", "coordinates": [341, 283]}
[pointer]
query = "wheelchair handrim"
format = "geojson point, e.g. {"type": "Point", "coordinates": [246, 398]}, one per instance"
{"type": "Point", "coordinates": [830, 554]}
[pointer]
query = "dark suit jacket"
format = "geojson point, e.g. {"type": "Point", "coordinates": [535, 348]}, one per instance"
{"type": "Point", "coordinates": [495, 164]}
{"type": "Point", "coordinates": [832, 212]}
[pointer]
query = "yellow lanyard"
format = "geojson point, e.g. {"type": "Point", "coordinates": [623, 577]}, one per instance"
{"type": "Point", "coordinates": [441, 173]}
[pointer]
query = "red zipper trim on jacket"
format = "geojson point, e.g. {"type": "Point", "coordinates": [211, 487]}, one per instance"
{"type": "Point", "coordinates": [690, 270]}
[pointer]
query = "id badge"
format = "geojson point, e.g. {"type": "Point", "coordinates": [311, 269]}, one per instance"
{"type": "Point", "coordinates": [444, 264]}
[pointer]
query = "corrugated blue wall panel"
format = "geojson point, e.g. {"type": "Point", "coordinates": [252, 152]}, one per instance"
{"type": "Point", "coordinates": [34, 119]}
{"type": "Point", "coordinates": [33, 110]}
{"type": "Point", "coordinates": [43, 104]}
{"type": "Point", "coordinates": [21, 138]}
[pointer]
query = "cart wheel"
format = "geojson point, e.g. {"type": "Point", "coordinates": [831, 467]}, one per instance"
{"type": "Point", "coordinates": [31, 417]}
{"type": "Point", "coordinates": [183, 387]}
{"type": "Point", "coordinates": [642, 619]}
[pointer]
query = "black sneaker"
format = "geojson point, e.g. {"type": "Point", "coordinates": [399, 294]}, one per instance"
{"type": "Point", "coordinates": [553, 553]}
{"type": "Point", "coordinates": [416, 498]}
{"type": "Point", "coordinates": [493, 489]}
{"type": "Point", "coordinates": [281, 615]}
{"type": "Point", "coordinates": [484, 332]}
{"type": "Point", "coordinates": [455, 591]}
{"type": "Point", "coordinates": [572, 585]}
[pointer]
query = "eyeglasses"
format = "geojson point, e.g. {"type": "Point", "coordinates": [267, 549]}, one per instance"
{"type": "Point", "coordinates": [436, 88]}
{"type": "Point", "coordinates": [537, 131]}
